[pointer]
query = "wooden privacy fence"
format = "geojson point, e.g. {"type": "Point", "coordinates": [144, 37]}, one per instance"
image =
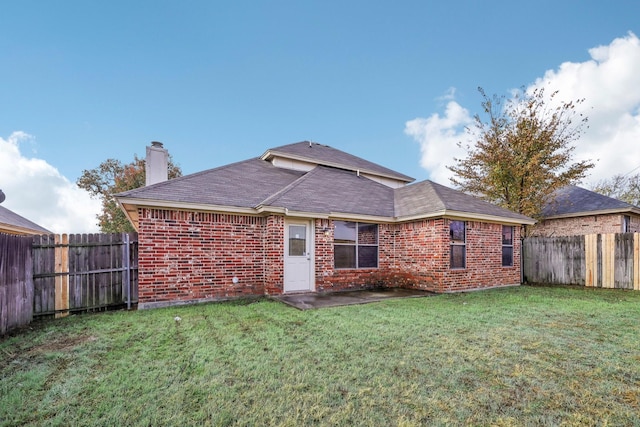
{"type": "Point", "coordinates": [84, 272]}
{"type": "Point", "coordinates": [594, 260]}
{"type": "Point", "coordinates": [16, 282]}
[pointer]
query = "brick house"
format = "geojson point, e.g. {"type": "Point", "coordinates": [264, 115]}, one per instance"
{"type": "Point", "coordinates": [306, 217]}
{"type": "Point", "coordinates": [577, 211]}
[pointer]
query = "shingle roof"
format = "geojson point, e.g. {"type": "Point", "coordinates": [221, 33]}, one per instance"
{"type": "Point", "coordinates": [428, 197]}
{"type": "Point", "coordinates": [13, 220]}
{"type": "Point", "coordinates": [327, 190]}
{"type": "Point", "coordinates": [329, 156]}
{"type": "Point", "coordinates": [257, 184]}
{"type": "Point", "coordinates": [573, 200]}
{"type": "Point", "coordinates": [243, 184]}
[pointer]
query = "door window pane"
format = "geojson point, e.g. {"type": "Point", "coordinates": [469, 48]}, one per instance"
{"type": "Point", "coordinates": [297, 240]}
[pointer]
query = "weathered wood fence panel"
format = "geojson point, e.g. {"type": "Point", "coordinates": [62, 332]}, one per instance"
{"type": "Point", "coordinates": [84, 272]}
{"type": "Point", "coordinates": [557, 260]}
{"type": "Point", "coordinates": [16, 282]}
{"type": "Point", "coordinates": [596, 260]}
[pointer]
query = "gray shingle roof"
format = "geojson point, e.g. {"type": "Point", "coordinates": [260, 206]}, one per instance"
{"type": "Point", "coordinates": [428, 197]}
{"type": "Point", "coordinates": [243, 184]}
{"type": "Point", "coordinates": [12, 219]}
{"type": "Point", "coordinates": [257, 184]}
{"type": "Point", "coordinates": [324, 154]}
{"type": "Point", "coordinates": [327, 190]}
{"type": "Point", "coordinates": [573, 200]}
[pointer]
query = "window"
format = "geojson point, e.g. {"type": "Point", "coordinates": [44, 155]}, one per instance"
{"type": "Point", "coordinates": [297, 240]}
{"type": "Point", "coordinates": [626, 223]}
{"type": "Point", "coordinates": [355, 245]}
{"type": "Point", "coordinates": [458, 247]}
{"type": "Point", "coordinates": [507, 246]}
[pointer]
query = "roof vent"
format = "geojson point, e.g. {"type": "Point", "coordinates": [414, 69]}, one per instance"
{"type": "Point", "coordinates": [2, 196]}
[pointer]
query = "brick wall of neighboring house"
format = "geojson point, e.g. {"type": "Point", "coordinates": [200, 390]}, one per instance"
{"type": "Point", "coordinates": [194, 256]}
{"type": "Point", "coordinates": [592, 224]}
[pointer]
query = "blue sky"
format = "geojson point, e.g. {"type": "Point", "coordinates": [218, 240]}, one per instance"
{"type": "Point", "coordinates": [219, 82]}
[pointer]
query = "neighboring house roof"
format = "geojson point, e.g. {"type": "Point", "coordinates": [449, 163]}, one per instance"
{"type": "Point", "coordinates": [256, 186]}
{"type": "Point", "coordinates": [12, 223]}
{"type": "Point", "coordinates": [571, 201]}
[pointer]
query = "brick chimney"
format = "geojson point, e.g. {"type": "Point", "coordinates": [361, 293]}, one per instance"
{"type": "Point", "coordinates": [156, 163]}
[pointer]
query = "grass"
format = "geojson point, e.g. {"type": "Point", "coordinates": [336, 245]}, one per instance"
{"type": "Point", "coordinates": [517, 356]}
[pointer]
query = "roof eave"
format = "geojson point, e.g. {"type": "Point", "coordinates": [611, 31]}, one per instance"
{"type": "Point", "coordinates": [21, 231]}
{"type": "Point", "coordinates": [633, 210]}
{"type": "Point", "coordinates": [466, 216]}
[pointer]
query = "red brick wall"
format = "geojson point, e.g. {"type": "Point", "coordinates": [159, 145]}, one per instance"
{"type": "Point", "coordinates": [416, 255]}
{"type": "Point", "coordinates": [194, 256]}
{"type": "Point", "coordinates": [274, 255]}
{"type": "Point", "coordinates": [484, 260]}
{"type": "Point", "coordinates": [592, 224]}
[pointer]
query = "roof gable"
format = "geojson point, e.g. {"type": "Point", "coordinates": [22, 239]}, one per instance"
{"type": "Point", "coordinates": [319, 154]}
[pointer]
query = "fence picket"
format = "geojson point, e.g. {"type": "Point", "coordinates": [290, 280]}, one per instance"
{"type": "Point", "coordinates": [595, 260]}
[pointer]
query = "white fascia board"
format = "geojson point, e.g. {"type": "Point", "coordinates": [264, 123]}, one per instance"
{"type": "Point", "coordinates": [466, 216]}
{"type": "Point", "coordinates": [21, 231]}
{"type": "Point", "coordinates": [148, 203]}
{"type": "Point", "coordinates": [288, 212]}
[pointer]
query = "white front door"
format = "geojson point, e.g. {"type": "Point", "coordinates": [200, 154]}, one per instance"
{"type": "Point", "coordinates": [298, 257]}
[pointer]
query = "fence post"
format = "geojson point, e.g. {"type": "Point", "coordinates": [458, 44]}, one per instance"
{"type": "Point", "coordinates": [636, 261]}
{"type": "Point", "coordinates": [62, 275]}
{"type": "Point", "coordinates": [126, 264]}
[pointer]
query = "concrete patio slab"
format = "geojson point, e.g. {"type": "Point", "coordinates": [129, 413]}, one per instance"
{"type": "Point", "coordinates": [311, 300]}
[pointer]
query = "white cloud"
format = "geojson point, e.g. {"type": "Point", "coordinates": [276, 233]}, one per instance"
{"type": "Point", "coordinates": [610, 84]}
{"type": "Point", "coordinates": [439, 137]}
{"type": "Point", "coordinates": [37, 191]}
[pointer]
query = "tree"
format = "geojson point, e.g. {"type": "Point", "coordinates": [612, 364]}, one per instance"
{"type": "Point", "coordinates": [110, 178]}
{"type": "Point", "coordinates": [523, 153]}
{"type": "Point", "coordinates": [621, 187]}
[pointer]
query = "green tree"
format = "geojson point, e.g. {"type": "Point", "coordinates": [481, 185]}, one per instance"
{"type": "Point", "coordinates": [113, 177]}
{"type": "Point", "coordinates": [621, 187]}
{"type": "Point", "coordinates": [523, 152]}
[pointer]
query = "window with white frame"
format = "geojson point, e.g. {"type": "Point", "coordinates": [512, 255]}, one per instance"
{"type": "Point", "coordinates": [458, 244]}
{"type": "Point", "coordinates": [626, 223]}
{"type": "Point", "coordinates": [355, 245]}
{"type": "Point", "coordinates": [507, 246]}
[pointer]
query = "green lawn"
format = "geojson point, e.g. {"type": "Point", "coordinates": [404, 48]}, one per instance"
{"type": "Point", "coordinates": [517, 356]}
